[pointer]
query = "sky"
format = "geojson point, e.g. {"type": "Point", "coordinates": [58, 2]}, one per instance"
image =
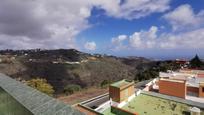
{"type": "Point", "coordinates": [162, 29]}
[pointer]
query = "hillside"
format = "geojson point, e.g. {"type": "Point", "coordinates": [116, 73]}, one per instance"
{"type": "Point", "coordinates": [62, 67]}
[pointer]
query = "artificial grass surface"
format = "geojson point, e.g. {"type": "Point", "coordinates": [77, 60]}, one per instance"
{"type": "Point", "coordinates": [149, 105]}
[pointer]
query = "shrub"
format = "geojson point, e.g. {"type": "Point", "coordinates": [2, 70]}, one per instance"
{"type": "Point", "coordinates": [41, 85]}
{"type": "Point", "coordinates": [104, 83]}
{"type": "Point", "coordinates": [71, 88]}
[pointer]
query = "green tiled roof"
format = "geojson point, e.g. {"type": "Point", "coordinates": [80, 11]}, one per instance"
{"type": "Point", "coordinates": [36, 102]}
{"type": "Point", "coordinates": [121, 83]}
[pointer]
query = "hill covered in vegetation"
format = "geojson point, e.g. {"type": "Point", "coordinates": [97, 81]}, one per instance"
{"type": "Point", "coordinates": [64, 68]}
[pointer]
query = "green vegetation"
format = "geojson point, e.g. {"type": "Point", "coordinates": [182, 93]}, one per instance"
{"type": "Point", "coordinates": [196, 63]}
{"type": "Point", "coordinates": [153, 71]}
{"type": "Point", "coordinates": [90, 70]}
{"type": "Point", "coordinates": [70, 89]}
{"type": "Point", "coordinates": [41, 85]}
{"type": "Point", "coordinates": [105, 83]}
{"type": "Point", "coordinates": [146, 75]}
{"type": "Point", "coordinates": [56, 67]}
{"type": "Point", "coordinates": [101, 71]}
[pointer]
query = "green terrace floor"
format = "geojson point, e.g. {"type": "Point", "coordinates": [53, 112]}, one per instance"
{"type": "Point", "coordinates": [149, 105]}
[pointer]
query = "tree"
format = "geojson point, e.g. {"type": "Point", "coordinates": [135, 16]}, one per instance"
{"type": "Point", "coordinates": [41, 85]}
{"type": "Point", "coordinates": [71, 88]}
{"type": "Point", "coordinates": [195, 62]}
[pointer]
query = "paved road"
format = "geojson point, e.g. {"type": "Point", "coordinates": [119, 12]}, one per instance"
{"type": "Point", "coordinates": [95, 102]}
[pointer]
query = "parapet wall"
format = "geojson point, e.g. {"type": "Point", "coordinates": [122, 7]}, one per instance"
{"type": "Point", "coordinates": [120, 111]}
{"type": "Point", "coordinates": [8, 105]}
{"type": "Point", "coordinates": [173, 88]}
{"type": "Point", "coordinates": [33, 100]}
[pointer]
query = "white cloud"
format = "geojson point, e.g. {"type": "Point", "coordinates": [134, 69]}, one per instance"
{"type": "Point", "coordinates": [90, 45]}
{"type": "Point", "coordinates": [183, 17]}
{"type": "Point", "coordinates": [134, 9]}
{"type": "Point", "coordinates": [42, 23]}
{"type": "Point", "coordinates": [144, 39]}
{"type": "Point", "coordinates": [119, 39]}
{"type": "Point", "coordinates": [55, 23]}
{"type": "Point", "coordinates": [140, 40]}
{"type": "Point", "coordinates": [187, 40]}
{"type": "Point", "coordinates": [118, 42]}
{"type": "Point", "coordinates": [193, 39]}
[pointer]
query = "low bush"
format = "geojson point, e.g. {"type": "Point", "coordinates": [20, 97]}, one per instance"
{"type": "Point", "coordinates": [104, 83]}
{"type": "Point", "coordinates": [71, 88]}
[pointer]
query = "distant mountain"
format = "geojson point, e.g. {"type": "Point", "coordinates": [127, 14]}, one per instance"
{"type": "Point", "coordinates": [69, 66]}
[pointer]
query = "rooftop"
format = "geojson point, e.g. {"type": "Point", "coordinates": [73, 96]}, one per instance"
{"type": "Point", "coordinates": [192, 79]}
{"type": "Point", "coordinates": [155, 105]}
{"type": "Point", "coordinates": [122, 83]}
{"type": "Point", "coordinates": [192, 71]}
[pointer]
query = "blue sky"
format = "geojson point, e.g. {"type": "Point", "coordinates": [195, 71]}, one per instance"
{"type": "Point", "coordinates": [105, 28]}
{"type": "Point", "coordinates": [164, 29]}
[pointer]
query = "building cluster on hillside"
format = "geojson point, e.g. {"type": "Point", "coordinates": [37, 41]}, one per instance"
{"type": "Point", "coordinates": [184, 84]}
{"type": "Point", "coordinates": [182, 62]}
{"type": "Point", "coordinates": [181, 91]}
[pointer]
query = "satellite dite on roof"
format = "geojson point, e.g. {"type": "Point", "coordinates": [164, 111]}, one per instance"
{"type": "Point", "coordinates": [19, 99]}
